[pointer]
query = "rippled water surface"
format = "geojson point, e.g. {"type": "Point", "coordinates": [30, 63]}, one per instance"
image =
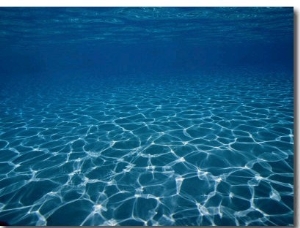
{"type": "Point", "coordinates": [157, 135]}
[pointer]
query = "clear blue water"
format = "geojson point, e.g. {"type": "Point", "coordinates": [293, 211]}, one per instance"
{"type": "Point", "coordinates": [146, 116]}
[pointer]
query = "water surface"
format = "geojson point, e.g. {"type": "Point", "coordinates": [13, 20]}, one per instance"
{"type": "Point", "coordinates": [146, 116]}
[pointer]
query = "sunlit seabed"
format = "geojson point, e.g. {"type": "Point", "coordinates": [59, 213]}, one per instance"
{"type": "Point", "coordinates": [194, 150]}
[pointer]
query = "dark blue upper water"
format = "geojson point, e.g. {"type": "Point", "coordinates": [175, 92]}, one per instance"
{"type": "Point", "coordinates": [146, 116]}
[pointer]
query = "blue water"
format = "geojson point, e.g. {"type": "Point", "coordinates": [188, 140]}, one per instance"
{"type": "Point", "coordinates": [146, 116]}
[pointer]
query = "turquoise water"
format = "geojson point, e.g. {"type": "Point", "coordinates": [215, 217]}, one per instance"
{"type": "Point", "coordinates": [191, 126]}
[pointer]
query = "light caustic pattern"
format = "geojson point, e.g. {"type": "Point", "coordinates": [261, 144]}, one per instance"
{"type": "Point", "coordinates": [180, 151]}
